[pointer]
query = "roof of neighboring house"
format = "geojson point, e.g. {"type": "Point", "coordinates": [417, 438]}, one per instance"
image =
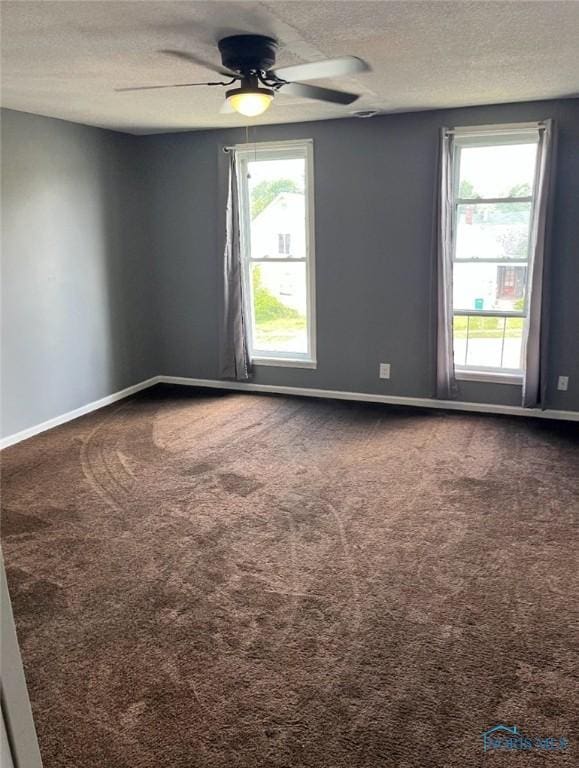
{"type": "Point", "coordinates": [280, 197]}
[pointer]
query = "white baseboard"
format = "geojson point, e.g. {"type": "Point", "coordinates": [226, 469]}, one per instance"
{"type": "Point", "coordinates": [330, 394]}
{"type": "Point", "coordinates": [18, 437]}
{"type": "Point", "coordinates": [334, 394]}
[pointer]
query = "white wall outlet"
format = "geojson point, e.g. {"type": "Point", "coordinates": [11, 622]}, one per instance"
{"type": "Point", "coordinates": [563, 383]}
{"type": "Point", "coordinates": [384, 370]}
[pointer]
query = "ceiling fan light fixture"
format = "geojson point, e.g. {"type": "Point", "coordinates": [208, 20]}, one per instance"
{"type": "Point", "coordinates": [250, 101]}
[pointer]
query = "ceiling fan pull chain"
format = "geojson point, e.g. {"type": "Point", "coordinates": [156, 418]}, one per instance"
{"type": "Point", "coordinates": [247, 145]}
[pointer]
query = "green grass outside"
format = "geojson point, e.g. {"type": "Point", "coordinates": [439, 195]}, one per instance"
{"type": "Point", "coordinates": [487, 327]}
{"type": "Point", "coordinates": [275, 323]}
{"type": "Point", "coordinates": [278, 330]}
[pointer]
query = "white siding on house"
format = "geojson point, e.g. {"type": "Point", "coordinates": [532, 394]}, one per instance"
{"type": "Point", "coordinates": [285, 215]}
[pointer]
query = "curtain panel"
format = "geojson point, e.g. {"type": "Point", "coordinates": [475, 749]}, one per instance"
{"type": "Point", "coordinates": [446, 388]}
{"type": "Point", "coordinates": [234, 355]}
{"type": "Point", "coordinates": [535, 341]}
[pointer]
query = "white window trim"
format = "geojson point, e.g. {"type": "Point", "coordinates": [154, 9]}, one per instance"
{"type": "Point", "coordinates": [490, 135]}
{"type": "Point", "coordinates": [272, 151]}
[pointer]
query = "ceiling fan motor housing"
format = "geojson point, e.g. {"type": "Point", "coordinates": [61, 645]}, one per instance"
{"type": "Point", "coordinates": [248, 53]}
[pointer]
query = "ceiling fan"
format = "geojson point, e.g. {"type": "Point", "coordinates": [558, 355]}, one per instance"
{"type": "Point", "coordinates": [250, 59]}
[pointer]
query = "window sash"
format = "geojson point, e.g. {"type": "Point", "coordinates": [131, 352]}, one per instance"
{"type": "Point", "coordinates": [290, 150]}
{"type": "Point", "coordinates": [488, 313]}
{"type": "Point", "coordinates": [490, 369]}
{"type": "Point", "coordinates": [279, 260]}
{"type": "Point", "coordinates": [494, 260]}
{"type": "Point", "coordinates": [491, 200]}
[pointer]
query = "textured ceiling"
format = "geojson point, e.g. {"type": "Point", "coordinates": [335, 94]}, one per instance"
{"type": "Point", "coordinates": [64, 59]}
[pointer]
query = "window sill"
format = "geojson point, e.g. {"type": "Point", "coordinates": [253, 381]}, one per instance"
{"type": "Point", "coordinates": [490, 377]}
{"type": "Point", "coordinates": [284, 362]}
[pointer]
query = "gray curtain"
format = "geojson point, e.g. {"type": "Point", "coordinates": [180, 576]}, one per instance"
{"type": "Point", "coordinates": [234, 358]}
{"type": "Point", "coordinates": [534, 343]}
{"type": "Point", "coordinates": [445, 379]}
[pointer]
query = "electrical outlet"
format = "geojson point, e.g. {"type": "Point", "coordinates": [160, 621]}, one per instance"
{"type": "Point", "coordinates": [384, 372]}
{"type": "Point", "coordinates": [563, 383]}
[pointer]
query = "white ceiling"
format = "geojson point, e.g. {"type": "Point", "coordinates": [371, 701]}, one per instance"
{"type": "Point", "coordinates": [64, 59]}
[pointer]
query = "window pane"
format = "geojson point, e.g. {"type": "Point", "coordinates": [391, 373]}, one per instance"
{"type": "Point", "coordinates": [497, 171]}
{"type": "Point", "coordinates": [489, 286]}
{"type": "Point", "coordinates": [279, 296]}
{"type": "Point", "coordinates": [493, 231]}
{"type": "Point", "coordinates": [459, 329]}
{"type": "Point", "coordinates": [513, 343]}
{"type": "Point", "coordinates": [488, 342]}
{"type": "Point", "coordinates": [485, 341]}
{"type": "Point", "coordinates": [277, 208]}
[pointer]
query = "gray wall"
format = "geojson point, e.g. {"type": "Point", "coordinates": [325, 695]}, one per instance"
{"type": "Point", "coordinates": [112, 257]}
{"type": "Point", "coordinates": [76, 277]}
{"type": "Point", "coordinates": [374, 192]}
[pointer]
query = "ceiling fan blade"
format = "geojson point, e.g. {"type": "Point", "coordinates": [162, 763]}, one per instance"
{"type": "Point", "coordinates": [193, 59]}
{"type": "Point", "coordinates": [157, 87]}
{"type": "Point", "coordinates": [315, 92]}
{"type": "Point", "coordinates": [342, 67]}
{"type": "Point", "coordinates": [226, 108]}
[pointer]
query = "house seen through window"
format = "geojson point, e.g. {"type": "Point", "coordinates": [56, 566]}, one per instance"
{"type": "Point", "coordinates": [494, 180]}
{"type": "Point", "coordinates": [276, 224]}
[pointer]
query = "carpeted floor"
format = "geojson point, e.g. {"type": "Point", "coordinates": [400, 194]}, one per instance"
{"type": "Point", "coordinates": [222, 581]}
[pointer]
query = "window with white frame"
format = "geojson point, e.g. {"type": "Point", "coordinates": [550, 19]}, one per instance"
{"type": "Point", "coordinates": [492, 220]}
{"type": "Point", "coordinates": [276, 224]}
{"type": "Point", "coordinates": [284, 244]}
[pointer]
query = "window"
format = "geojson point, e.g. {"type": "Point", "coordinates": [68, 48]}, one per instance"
{"type": "Point", "coordinates": [493, 204]}
{"type": "Point", "coordinates": [511, 282]}
{"type": "Point", "coordinates": [284, 244]}
{"type": "Point", "coordinates": [276, 222]}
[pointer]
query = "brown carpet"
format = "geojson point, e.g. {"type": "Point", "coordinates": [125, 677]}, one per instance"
{"type": "Point", "coordinates": [213, 581]}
